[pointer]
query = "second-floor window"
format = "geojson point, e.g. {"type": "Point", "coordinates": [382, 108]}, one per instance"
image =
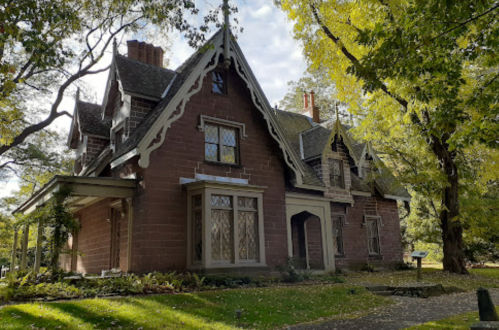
{"type": "Point", "coordinates": [220, 144]}
{"type": "Point", "coordinates": [336, 173]}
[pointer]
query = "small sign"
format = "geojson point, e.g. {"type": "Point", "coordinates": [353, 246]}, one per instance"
{"type": "Point", "coordinates": [419, 254]}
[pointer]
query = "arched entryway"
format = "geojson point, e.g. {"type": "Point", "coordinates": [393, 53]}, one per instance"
{"type": "Point", "coordinates": [309, 231]}
{"type": "Point", "coordinates": [307, 241]}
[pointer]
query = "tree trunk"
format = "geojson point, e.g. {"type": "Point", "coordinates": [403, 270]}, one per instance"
{"type": "Point", "coordinates": [452, 229]}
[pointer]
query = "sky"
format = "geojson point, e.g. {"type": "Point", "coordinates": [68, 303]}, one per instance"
{"type": "Point", "coordinates": [267, 43]}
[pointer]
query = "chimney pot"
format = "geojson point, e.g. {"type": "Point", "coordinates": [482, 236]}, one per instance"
{"type": "Point", "coordinates": [305, 100]}
{"type": "Point", "coordinates": [312, 98]}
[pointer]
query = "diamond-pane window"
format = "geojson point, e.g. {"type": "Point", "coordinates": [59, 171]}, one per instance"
{"type": "Point", "coordinates": [198, 235]}
{"type": "Point", "coordinates": [221, 242]}
{"type": "Point", "coordinates": [247, 234]}
{"type": "Point", "coordinates": [220, 144]}
{"type": "Point", "coordinates": [221, 201]}
{"type": "Point", "coordinates": [247, 203]}
{"type": "Point", "coordinates": [373, 235]}
{"type": "Point", "coordinates": [337, 235]}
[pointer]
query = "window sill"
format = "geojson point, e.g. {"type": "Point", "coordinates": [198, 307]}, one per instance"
{"type": "Point", "coordinates": [340, 256]}
{"type": "Point", "coordinates": [209, 162]}
{"type": "Point", "coordinates": [375, 257]}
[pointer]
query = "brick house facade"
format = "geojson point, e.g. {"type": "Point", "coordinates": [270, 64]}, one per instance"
{"type": "Point", "coordinates": [192, 169]}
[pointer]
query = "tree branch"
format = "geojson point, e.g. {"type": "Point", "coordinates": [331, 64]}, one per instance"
{"type": "Point", "coordinates": [372, 75]}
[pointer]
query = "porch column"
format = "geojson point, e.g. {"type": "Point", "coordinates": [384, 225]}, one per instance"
{"type": "Point", "coordinates": [39, 238]}
{"type": "Point", "coordinates": [14, 248]}
{"type": "Point", "coordinates": [289, 215]}
{"type": "Point", "coordinates": [130, 236]}
{"type": "Point", "coordinates": [24, 247]}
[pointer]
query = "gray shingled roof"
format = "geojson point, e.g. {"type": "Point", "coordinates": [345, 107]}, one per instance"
{"type": "Point", "coordinates": [182, 73]}
{"type": "Point", "coordinates": [359, 184]}
{"type": "Point", "coordinates": [105, 155]}
{"type": "Point", "coordinates": [292, 124]}
{"type": "Point", "coordinates": [141, 78]}
{"type": "Point", "coordinates": [90, 119]}
{"type": "Point", "coordinates": [314, 141]}
{"type": "Point", "coordinates": [388, 184]}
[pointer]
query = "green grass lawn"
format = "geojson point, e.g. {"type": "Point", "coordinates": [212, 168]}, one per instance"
{"type": "Point", "coordinates": [262, 308]}
{"type": "Point", "coordinates": [485, 277]}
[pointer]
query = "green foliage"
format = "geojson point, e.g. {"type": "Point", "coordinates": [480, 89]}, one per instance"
{"type": "Point", "coordinates": [294, 270]}
{"type": "Point", "coordinates": [368, 267]}
{"type": "Point", "coordinates": [422, 76]}
{"type": "Point", "coordinates": [48, 46]}
{"type": "Point", "coordinates": [58, 220]}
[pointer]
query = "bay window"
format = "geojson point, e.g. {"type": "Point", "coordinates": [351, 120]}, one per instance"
{"type": "Point", "coordinates": [225, 226]}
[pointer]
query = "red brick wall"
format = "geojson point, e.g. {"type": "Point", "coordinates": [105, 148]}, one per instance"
{"type": "Point", "coordinates": [139, 109]}
{"type": "Point", "coordinates": [355, 233]}
{"type": "Point", "coordinates": [94, 146]}
{"type": "Point", "coordinates": [94, 239]}
{"type": "Point", "coordinates": [160, 240]}
{"type": "Point", "coordinates": [314, 242]}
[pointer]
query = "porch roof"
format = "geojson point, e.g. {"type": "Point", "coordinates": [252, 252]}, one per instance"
{"type": "Point", "coordinates": [85, 191]}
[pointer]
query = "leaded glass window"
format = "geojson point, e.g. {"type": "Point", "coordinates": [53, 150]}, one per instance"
{"type": "Point", "coordinates": [197, 223]}
{"type": "Point", "coordinates": [337, 235]}
{"type": "Point", "coordinates": [373, 235]}
{"type": "Point", "coordinates": [221, 228]}
{"type": "Point", "coordinates": [336, 173]}
{"type": "Point", "coordinates": [248, 228]}
{"type": "Point", "coordinates": [220, 143]}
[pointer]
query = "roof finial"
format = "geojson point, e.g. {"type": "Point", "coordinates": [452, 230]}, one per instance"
{"type": "Point", "coordinates": [337, 118]}
{"type": "Point", "coordinates": [226, 11]}
{"type": "Point", "coordinates": [115, 47]}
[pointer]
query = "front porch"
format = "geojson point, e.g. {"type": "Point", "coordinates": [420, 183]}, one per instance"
{"type": "Point", "coordinates": [85, 192]}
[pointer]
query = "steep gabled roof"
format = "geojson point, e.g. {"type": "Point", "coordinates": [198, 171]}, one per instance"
{"type": "Point", "coordinates": [181, 74]}
{"type": "Point", "coordinates": [151, 132]}
{"type": "Point", "coordinates": [314, 141]}
{"type": "Point", "coordinates": [141, 78]}
{"type": "Point", "coordinates": [90, 120]}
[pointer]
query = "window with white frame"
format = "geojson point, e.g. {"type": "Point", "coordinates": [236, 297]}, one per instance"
{"type": "Point", "coordinates": [372, 225]}
{"type": "Point", "coordinates": [220, 143]}
{"type": "Point", "coordinates": [225, 226]}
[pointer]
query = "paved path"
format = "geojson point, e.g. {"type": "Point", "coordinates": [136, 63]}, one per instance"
{"type": "Point", "coordinates": [407, 312]}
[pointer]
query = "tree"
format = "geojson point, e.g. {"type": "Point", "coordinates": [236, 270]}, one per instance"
{"type": "Point", "coordinates": [46, 46]}
{"type": "Point", "coordinates": [426, 74]}
{"type": "Point", "coordinates": [325, 94]}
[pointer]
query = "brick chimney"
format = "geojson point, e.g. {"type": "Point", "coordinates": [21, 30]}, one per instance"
{"type": "Point", "coordinates": [145, 52]}
{"type": "Point", "coordinates": [310, 110]}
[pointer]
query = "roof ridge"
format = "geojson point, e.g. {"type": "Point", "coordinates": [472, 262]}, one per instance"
{"type": "Point", "coordinates": [144, 63]}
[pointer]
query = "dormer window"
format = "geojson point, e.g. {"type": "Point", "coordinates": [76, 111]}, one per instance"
{"type": "Point", "coordinates": [336, 178]}
{"type": "Point", "coordinates": [219, 82]}
{"type": "Point", "coordinates": [220, 144]}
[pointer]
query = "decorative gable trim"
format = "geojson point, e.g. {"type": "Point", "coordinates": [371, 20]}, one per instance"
{"type": "Point", "coordinates": [155, 137]}
{"type": "Point", "coordinates": [178, 103]}
{"type": "Point", "coordinates": [338, 130]}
